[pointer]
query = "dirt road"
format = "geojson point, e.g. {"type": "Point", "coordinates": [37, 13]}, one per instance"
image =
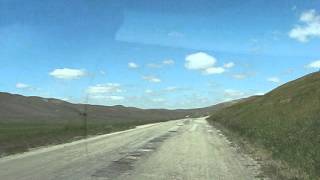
{"type": "Point", "coordinates": [187, 149]}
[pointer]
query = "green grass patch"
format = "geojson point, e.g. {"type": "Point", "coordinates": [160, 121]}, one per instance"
{"type": "Point", "coordinates": [18, 137]}
{"type": "Point", "coordinates": [285, 121]}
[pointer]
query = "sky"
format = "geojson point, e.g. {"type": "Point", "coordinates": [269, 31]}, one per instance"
{"type": "Point", "coordinates": [155, 53]}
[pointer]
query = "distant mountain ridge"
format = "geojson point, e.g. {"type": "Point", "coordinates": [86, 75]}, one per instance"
{"type": "Point", "coordinates": [19, 108]}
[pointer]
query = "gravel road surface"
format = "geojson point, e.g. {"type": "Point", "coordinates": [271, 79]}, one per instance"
{"type": "Point", "coordinates": [187, 149]}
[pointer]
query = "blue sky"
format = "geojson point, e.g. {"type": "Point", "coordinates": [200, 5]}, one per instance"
{"type": "Point", "coordinates": [155, 54]}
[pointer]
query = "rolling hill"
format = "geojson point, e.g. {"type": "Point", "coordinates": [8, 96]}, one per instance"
{"type": "Point", "coordinates": [17, 108]}
{"type": "Point", "coordinates": [285, 121]}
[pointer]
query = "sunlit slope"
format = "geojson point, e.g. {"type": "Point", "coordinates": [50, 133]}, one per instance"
{"type": "Point", "coordinates": [285, 121]}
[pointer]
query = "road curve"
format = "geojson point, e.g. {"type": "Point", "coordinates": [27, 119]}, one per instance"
{"type": "Point", "coordinates": [187, 149]}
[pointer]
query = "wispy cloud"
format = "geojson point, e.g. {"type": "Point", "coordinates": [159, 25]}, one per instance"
{"type": "Point", "coordinates": [158, 100]}
{"type": "Point", "coordinates": [231, 93]}
{"type": "Point", "coordinates": [103, 93]}
{"type": "Point", "coordinates": [240, 76]}
{"type": "Point", "coordinates": [274, 80]}
{"type": "Point", "coordinates": [162, 64]}
{"type": "Point", "coordinates": [30, 88]}
{"type": "Point", "coordinates": [152, 79]}
{"type": "Point", "coordinates": [314, 64]}
{"type": "Point", "coordinates": [68, 73]}
{"type": "Point", "coordinates": [148, 91]}
{"type": "Point", "coordinates": [133, 65]}
{"type": "Point", "coordinates": [168, 62]}
{"type": "Point", "coordinates": [310, 28]}
{"type": "Point", "coordinates": [243, 75]}
{"type": "Point", "coordinates": [107, 97]}
{"type": "Point", "coordinates": [229, 65]}
{"type": "Point", "coordinates": [104, 89]}
{"type": "Point", "coordinates": [171, 88]}
{"type": "Point", "coordinates": [214, 70]}
{"type": "Point", "coordinates": [20, 85]}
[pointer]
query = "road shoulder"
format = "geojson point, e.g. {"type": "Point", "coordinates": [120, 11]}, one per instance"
{"type": "Point", "coordinates": [270, 168]}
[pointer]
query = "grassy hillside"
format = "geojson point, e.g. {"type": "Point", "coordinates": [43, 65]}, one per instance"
{"type": "Point", "coordinates": [285, 121]}
{"type": "Point", "coordinates": [29, 122]}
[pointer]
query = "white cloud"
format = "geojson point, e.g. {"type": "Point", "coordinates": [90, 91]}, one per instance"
{"type": "Point", "coordinates": [115, 98]}
{"type": "Point", "coordinates": [314, 64]}
{"type": "Point", "coordinates": [133, 65]}
{"type": "Point", "coordinates": [199, 61]}
{"type": "Point", "coordinates": [231, 93]}
{"type": "Point", "coordinates": [162, 64]}
{"type": "Point", "coordinates": [102, 72]}
{"type": "Point", "coordinates": [107, 97]}
{"type": "Point", "coordinates": [171, 88]}
{"type": "Point", "coordinates": [148, 91]}
{"type": "Point", "coordinates": [310, 27]}
{"type": "Point", "coordinates": [229, 65]}
{"type": "Point", "coordinates": [168, 62]}
{"type": "Point", "coordinates": [152, 79]}
{"type": "Point", "coordinates": [22, 86]}
{"type": "Point", "coordinates": [158, 100]}
{"type": "Point", "coordinates": [67, 73]}
{"type": "Point", "coordinates": [104, 88]}
{"type": "Point", "coordinates": [64, 99]}
{"type": "Point", "coordinates": [259, 94]}
{"type": "Point", "coordinates": [214, 70]}
{"type": "Point", "coordinates": [240, 76]}
{"type": "Point", "coordinates": [205, 63]}
{"type": "Point", "coordinates": [274, 80]}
